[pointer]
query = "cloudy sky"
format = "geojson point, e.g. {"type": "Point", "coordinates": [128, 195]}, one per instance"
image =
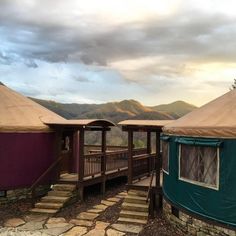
{"type": "Point", "coordinates": [97, 51]}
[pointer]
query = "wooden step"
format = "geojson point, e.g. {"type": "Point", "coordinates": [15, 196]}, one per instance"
{"type": "Point", "coordinates": [50, 205]}
{"type": "Point", "coordinates": [137, 193]}
{"type": "Point", "coordinates": [46, 211]}
{"type": "Point", "coordinates": [64, 187]}
{"type": "Point", "coordinates": [131, 220]}
{"type": "Point", "coordinates": [134, 215]}
{"type": "Point", "coordinates": [60, 193]}
{"type": "Point", "coordinates": [135, 207]}
{"type": "Point", "coordinates": [135, 199]}
{"type": "Point", "coordinates": [54, 199]}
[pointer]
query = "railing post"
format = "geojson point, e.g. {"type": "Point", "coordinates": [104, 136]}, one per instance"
{"type": "Point", "coordinates": [130, 156]}
{"type": "Point", "coordinates": [81, 164]}
{"type": "Point", "coordinates": [103, 162]}
{"type": "Point", "coordinates": [149, 151]}
{"type": "Point", "coordinates": [158, 167]}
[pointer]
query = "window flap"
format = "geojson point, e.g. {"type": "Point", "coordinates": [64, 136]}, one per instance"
{"type": "Point", "coordinates": [165, 138]}
{"type": "Point", "coordinates": [199, 142]}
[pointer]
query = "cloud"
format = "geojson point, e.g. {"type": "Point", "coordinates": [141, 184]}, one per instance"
{"type": "Point", "coordinates": [144, 45]}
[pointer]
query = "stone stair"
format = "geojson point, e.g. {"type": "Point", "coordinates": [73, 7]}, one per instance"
{"type": "Point", "coordinates": [134, 209]}
{"type": "Point", "coordinates": [55, 199]}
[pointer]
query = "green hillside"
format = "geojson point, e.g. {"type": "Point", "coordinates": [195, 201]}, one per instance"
{"type": "Point", "coordinates": [175, 109]}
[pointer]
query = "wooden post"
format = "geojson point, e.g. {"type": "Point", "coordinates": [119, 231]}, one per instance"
{"type": "Point", "coordinates": [130, 156]}
{"type": "Point", "coordinates": [103, 162]}
{"type": "Point", "coordinates": [149, 151]}
{"type": "Point", "coordinates": [81, 164]}
{"type": "Point", "coordinates": [158, 167]}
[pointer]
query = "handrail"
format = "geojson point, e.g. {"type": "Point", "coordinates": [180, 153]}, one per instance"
{"type": "Point", "coordinates": [45, 173]}
{"type": "Point", "coordinates": [150, 185]}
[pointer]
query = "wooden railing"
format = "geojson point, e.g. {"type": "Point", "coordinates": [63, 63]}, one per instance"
{"type": "Point", "coordinates": [92, 164]}
{"type": "Point", "coordinates": [142, 165]}
{"type": "Point", "coordinates": [114, 160]}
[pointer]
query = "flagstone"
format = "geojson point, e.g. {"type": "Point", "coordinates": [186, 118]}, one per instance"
{"type": "Point", "coordinates": [32, 226]}
{"type": "Point", "coordinates": [54, 220]}
{"type": "Point", "coordinates": [56, 225]}
{"type": "Point", "coordinates": [93, 210]}
{"type": "Point", "coordinates": [14, 222]}
{"type": "Point", "coordinates": [58, 230]}
{"type": "Point", "coordinates": [101, 206]}
{"type": "Point", "coordinates": [76, 231]}
{"type": "Point", "coordinates": [108, 203]}
{"type": "Point", "coordinates": [101, 225]}
{"type": "Point", "coordinates": [113, 199]}
{"type": "Point", "coordinates": [87, 216]}
{"type": "Point", "coordinates": [130, 228]}
{"type": "Point", "coordinates": [35, 217]}
{"type": "Point", "coordinates": [81, 222]}
{"type": "Point", "coordinates": [96, 232]}
{"type": "Point", "coordinates": [113, 232]}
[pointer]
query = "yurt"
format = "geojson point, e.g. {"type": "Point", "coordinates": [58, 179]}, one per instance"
{"type": "Point", "coordinates": [199, 168]}
{"type": "Point", "coordinates": [27, 145]}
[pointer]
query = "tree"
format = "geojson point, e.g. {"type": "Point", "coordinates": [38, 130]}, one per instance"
{"type": "Point", "coordinates": [233, 86]}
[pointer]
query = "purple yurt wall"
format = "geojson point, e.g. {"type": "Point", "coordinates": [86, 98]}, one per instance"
{"type": "Point", "coordinates": [27, 145]}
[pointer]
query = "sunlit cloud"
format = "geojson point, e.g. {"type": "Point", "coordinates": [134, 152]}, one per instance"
{"type": "Point", "coordinates": [98, 51]}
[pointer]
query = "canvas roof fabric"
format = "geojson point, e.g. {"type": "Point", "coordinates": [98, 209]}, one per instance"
{"type": "Point", "coordinates": [19, 113]}
{"type": "Point", "coordinates": [215, 119]}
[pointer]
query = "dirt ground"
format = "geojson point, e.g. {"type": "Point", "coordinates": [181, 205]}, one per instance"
{"type": "Point", "coordinates": [157, 226]}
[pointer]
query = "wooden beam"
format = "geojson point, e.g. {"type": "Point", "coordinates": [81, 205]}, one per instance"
{"type": "Point", "coordinates": [81, 164]}
{"type": "Point", "coordinates": [149, 150]}
{"type": "Point", "coordinates": [158, 167]}
{"type": "Point", "coordinates": [158, 159]}
{"type": "Point", "coordinates": [103, 162]}
{"type": "Point", "coordinates": [87, 128]}
{"type": "Point", "coordinates": [141, 128]}
{"type": "Point", "coordinates": [130, 156]}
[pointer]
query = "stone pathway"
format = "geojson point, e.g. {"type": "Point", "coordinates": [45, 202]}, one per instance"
{"type": "Point", "coordinates": [84, 224]}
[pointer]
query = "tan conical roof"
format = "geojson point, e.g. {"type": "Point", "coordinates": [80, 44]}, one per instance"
{"type": "Point", "coordinates": [19, 113]}
{"type": "Point", "coordinates": [215, 119]}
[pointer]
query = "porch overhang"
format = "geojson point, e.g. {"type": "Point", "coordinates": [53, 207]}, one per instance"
{"type": "Point", "coordinates": [86, 124]}
{"type": "Point", "coordinates": [143, 125]}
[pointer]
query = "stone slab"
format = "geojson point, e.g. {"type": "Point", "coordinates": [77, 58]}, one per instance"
{"type": "Point", "coordinates": [96, 232]}
{"type": "Point", "coordinates": [101, 207]}
{"type": "Point", "coordinates": [87, 216]}
{"type": "Point", "coordinates": [107, 203]}
{"type": "Point", "coordinates": [14, 222]}
{"type": "Point", "coordinates": [35, 217]}
{"type": "Point", "coordinates": [95, 210]}
{"type": "Point", "coordinates": [57, 231]}
{"type": "Point", "coordinates": [32, 226]}
{"type": "Point", "coordinates": [101, 225]}
{"type": "Point", "coordinates": [113, 199]}
{"type": "Point", "coordinates": [130, 228]}
{"type": "Point", "coordinates": [113, 232]}
{"type": "Point", "coordinates": [81, 222]}
{"type": "Point", "coordinates": [54, 220]}
{"type": "Point", "coordinates": [76, 231]}
{"type": "Point", "coordinates": [56, 225]}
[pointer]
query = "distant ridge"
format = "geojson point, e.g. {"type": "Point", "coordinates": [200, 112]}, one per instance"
{"type": "Point", "coordinates": [175, 109]}
{"type": "Point", "coordinates": [117, 111]}
{"type": "Point", "coordinates": [2, 83]}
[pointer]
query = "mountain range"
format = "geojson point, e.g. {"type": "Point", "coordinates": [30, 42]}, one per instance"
{"type": "Point", "coordinates": [117, 111]}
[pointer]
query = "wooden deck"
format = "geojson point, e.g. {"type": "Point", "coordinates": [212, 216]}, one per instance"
{"type": "Point", "coordinates": [73, 177]}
